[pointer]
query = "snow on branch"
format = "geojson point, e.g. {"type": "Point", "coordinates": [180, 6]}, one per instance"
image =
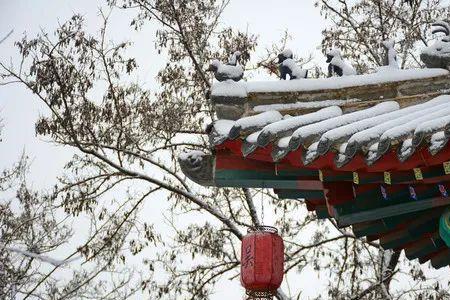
{"type": "Point", "coordinates": [43, 258]}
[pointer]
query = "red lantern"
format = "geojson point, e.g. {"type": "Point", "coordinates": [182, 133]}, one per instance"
{"type": "Point", "coordinates": [262, 259]}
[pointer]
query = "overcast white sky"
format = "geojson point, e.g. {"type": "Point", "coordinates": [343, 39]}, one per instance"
{"type": "Point", "coordinates": [19, 110]}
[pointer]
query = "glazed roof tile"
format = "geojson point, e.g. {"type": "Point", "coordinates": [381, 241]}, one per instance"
{"type": "Point", "coordinates": [371, 132]}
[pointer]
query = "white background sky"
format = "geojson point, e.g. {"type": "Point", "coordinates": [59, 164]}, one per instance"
{"type": "Point", "coordinates": [19, 109]}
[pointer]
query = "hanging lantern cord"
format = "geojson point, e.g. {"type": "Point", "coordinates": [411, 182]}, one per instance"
{"type": "Point", "coordinates": [262, 206]}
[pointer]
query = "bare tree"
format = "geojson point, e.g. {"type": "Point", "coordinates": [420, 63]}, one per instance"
{"type": "Point", "coordinates": [358, 28]}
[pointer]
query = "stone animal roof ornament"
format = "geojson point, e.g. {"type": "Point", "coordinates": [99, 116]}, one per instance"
{"type": "Point", "coordinates": [390, 59]}
{"type": "Point", "coordinates": [288, 66]}
{"type": "Point", "coordinates": [337, 65]}
{"type": "Point", "coordinates": [229, 71]}
{"type": "Point", "coordinates": [234, 58]}
{"type": "Point", "coordinates": [438, 54]}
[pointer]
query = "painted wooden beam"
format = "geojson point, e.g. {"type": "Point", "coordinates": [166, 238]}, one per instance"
{"type": "Point", "coordinates": [384, 225]}
{"type": "Point", "coordinates": [398, 239]}
{"type": "Point", "coordinates": [424, 246]}
{"type": "Point", "coordinates": [390, 211]}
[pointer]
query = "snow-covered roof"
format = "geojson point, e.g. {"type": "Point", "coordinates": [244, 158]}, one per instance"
{"type": "Point", "coordinates": [369, 132]}
{"type": "Point", "coordinates": [242, 89]}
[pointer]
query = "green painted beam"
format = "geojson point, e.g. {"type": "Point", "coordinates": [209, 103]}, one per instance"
{"type": "Point", "coordinates": [389, 211]}
{"type": "Point", "coordinates": [385, 224]}
{"type": "Point", "coordinates": [258, 179]}
{"type": "Point", "coordinates": [424, 247]}
{"type": "Point", "coordinates": [322, 212]}
{"type": "Point", "coordinates": [409, 234]}
{"type": "Point", "coordinates": [376, 200]}
{"type": "Point", "coordinates": [299, 194]}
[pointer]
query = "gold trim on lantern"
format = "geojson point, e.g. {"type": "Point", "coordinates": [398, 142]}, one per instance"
{"type": "Point", "coordinates": [260, 295]}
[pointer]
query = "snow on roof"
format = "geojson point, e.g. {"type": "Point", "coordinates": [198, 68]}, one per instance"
{"type": "Point", "coordinates": [406, 149]}
{"type": "Point", "coordinates": [192, 154]}
{"type": "Point", "coordinates": [259, 120]}
{"type": "Point", "coordinates": [292, 123]}
{"type": "Point", "coordinates": [229, 88]}
{"type": "Point", "coordinates": [223, 127]}
{"type": "Point", "coordinates": [241, 89]}
{"type": "Point", "coordinates": [303, 105]}
{"type": "Point", "coordinates": [252, 138]}
{"type": "Point", "coordinates": [373, 130]}
{"type": "Point", "coordinates": [437, 142]}
{"type": "Point", "coordinates": [407, 114]}
{"type": "Point", "coordinates": [219, 131]}
{"type": "Point", "coordinates": [305, 133]}
{"type": "Point", "coordinates": [403, 130]}
{"type": "Point", "coordinates": [311, 153]}
{"type": "Point", "coordinates": [429, 127]}
{"type": "Point", "coordinates": [254, 122]}
{"type": "Point", "coordinates": [344, 132]}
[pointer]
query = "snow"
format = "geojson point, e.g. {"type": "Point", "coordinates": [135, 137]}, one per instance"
{"type": "Point", "coordinates": [234, 58]}
{"type": "Point", "coordinates": [346, 131]}
{"type": "Point", "coordinates": [304, 105]}
{"type": "Point", "coordinates": [259, 120]}
{"type": "Point", "coordinates": [341, 158]}
{"type": "Point", "coordinates": [401, 131]}
{"type": "Point", "coordinates": [293, 123]}
{"type": "Point", "coordinates": [284, 142]}
{"type": "Point", "coordinates": [439, 48]}
{"type": "Point", "coordinates": [392, 54]}
{"type": "Point", "coordinates": [334, 52]}
{"type": "Point", "coordinates": [220, 130]}
{"type": "Point", "coordinates": [223, 127]}
{"type": "Point", "coordinates": [437, 142]}
{"type": "Point", "coordinates": [311, 153]}
{"type": "Point", "coordinates": [43, 258]}
{"type": "Point", "coordinates": [432, 125]}
{"type": "Point", "coordinates": [312, 130]}
{"type": "Point", "coordinates": [192, 155]}
{"type": "Point", "coordinates": [395, 119]}
{"type": "Point", "coordinates": [287, 53]}
{"type": "Point", "coordinates": [229, 88]}
{"type": "Point", "coordinates": [227, 70]}
{"type": "Point", "coordinates": [406, 149]}
{"type": "Point", "coordinates": [372, 153]}
{"type": "Point", "coordinates": [241, 89]}
{"type": "Point", "coordinates": [252, 138]}
{"type": "Point", "coordinates": [342, 147]}
{"type": "Point", "coordinates": [281, 148]}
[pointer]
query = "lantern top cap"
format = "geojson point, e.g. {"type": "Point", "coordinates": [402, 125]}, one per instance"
{"type": "Point", "coordinates": [262, 228]}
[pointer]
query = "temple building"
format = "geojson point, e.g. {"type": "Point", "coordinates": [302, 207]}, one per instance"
{"type": "Point", "coordinates": [370, 151]}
